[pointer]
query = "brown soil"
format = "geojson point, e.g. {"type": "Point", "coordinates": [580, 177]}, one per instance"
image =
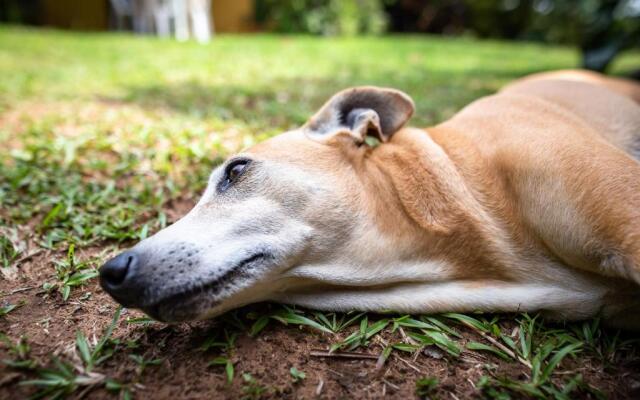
{"type": "Point", "coordinates": [50, 325]}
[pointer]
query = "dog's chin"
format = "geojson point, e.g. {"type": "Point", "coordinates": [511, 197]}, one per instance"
{"type": "Point", "coordinates": [205, 301]}
{"type": "Point", "coordinates": [183, 310]}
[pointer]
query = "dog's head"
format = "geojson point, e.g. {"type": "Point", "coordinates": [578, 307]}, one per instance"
{"type": "Point", "coordinates": [286, 214]}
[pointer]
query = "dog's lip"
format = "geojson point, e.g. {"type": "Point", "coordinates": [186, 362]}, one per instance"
{"type": "Point", "coordinates": [176, 307]}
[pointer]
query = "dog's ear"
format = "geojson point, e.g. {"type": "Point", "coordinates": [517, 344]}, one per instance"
{"type": "Point", "coordinates": [361, 112]}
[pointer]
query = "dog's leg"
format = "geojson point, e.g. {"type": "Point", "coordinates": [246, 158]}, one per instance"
{"type": "Point", "coordinates": [491, 296]}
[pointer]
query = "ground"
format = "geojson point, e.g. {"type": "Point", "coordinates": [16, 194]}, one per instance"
{"type": "Point", "coordinates": [106, 138]}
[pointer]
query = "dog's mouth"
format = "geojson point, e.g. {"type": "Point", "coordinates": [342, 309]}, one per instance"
{"type": "Point", "coordinates": [190, 303]}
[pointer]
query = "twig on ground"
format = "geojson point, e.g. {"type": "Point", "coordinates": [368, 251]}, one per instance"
{"type": "Point", "coordinates": [409, 364]}
{"type": "Point", "coordinates": [22, 289]}
{"type": "Point", "coordinates": [84, 392]}
{"type": "Point", "coordinates": [28, 256]}
{"type": "Point", "coordinates": [500, 346]}
{"type": "Point", "coordinates": [319, 387]}
{"type": "Point", "coordinates": [395, 387]}
{"type": "Point", "coordinates": [406, 338]}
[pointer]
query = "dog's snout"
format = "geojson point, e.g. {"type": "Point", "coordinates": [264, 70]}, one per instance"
{"type": "Point", "coordinates": [145, 274]}
{"type": "Point", "coordinates": [115, 271]}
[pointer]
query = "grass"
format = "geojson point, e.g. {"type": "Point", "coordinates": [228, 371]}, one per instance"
{"type": "Point", "coordinates": [64, 378]}
{"type": "Point", "coordinates": [104, 135]}
{"type": "Point", "coordinates": [70, 273]}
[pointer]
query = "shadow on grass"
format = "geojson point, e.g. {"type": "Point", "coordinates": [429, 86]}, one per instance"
{"type": "Point", "coordinates": [285, 103]}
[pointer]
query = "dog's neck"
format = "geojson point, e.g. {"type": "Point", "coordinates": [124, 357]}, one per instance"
{"type": "Point", "coordinates": [447, 195]}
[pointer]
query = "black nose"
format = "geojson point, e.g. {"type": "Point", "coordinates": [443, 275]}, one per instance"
{"type": "Point", "coordinates": [115, 271]}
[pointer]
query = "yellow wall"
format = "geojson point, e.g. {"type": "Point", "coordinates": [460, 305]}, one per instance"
{"type": "Point", "coordinates": [228, 15]}
{"type": "Point", "coordinates": [233, 15]}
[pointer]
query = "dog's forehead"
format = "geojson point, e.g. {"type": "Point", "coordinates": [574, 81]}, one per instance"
{"type": "Point", "coordinates": [296, 148]}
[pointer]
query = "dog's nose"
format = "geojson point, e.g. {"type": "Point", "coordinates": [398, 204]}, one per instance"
{"type": "Point", "coordinates": [115, 271]}
{"type": "Point", "coordinates": [121, 278]}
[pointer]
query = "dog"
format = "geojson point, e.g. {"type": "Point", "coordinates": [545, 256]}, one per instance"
{"type": "Point", "coordinates": [525, 201]}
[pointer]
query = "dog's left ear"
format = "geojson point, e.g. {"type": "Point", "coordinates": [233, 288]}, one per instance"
{"type": "Point", "coordinates": [361, 112]}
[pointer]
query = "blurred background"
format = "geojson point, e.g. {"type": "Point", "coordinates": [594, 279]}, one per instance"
{"type": "Point", "coordinates": [600, 29]}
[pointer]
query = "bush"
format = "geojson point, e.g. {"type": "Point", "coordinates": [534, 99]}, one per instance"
{"type": "Point", "coordinates": [599, 28]}
{"type": "Point", "coordinates": [323, 17]}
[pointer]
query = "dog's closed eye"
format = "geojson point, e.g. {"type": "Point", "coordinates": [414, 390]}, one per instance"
{"type": "Point", "coordinates": [232, 172]}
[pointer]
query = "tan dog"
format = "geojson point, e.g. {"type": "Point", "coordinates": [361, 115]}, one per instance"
{"type": "Point", "coordinates": [527, 200]}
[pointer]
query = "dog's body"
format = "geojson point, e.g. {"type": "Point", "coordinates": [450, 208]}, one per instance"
{"type": "Point", "coordinates": [528, 200]}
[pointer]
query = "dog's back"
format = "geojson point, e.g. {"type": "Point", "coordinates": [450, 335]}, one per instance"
{"type": "Point", "coordinates": [611, 106]}
{"type": "Point", "coordinates": [622, 86]}
{"type": "Point", "coordinates": [560, 144]}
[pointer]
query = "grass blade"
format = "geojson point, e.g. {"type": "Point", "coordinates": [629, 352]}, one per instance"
{"type": "Point", "coordinates": [484, 347]}
{"type": "Point", "coordinates": [557, 358]}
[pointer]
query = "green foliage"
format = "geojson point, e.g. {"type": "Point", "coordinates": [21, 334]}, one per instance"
{"type": "Point", "coordinates": [427, 333]}
{"type": "Point", "coordinates": [252, 389]}
{"type": "Point", "coordinates": [143, 363]}
{"type": "Point", "coordinates": [19, 352]}
{"type": "Point", "coordinates": [336, 322]}
{"type": "Point", "coordinates": [226, 345]}
{"type": "Point", "coordinates": [323, 17]}
{"type": "Point", "coordinates": [426, 386]}
{"type": "Point", "coordinates": [71, 273]}
{"type": "Point", "coordinates": [8, 249]}
{"type": "Point", "coordinates": [485, 347]}
{"type": "Point", "coordinates": [297, 375]}
{"type": "Point", "coordinates": [123, 389]}
{"type": "Point", "coordinates": [60, 380]}
{"type": "Point", "coordinates": [540, 349]}
{"type": "Point", "coordinates": [292, 316]}
{"type": "Point", "coordinates": [145, 321]}
{"type": "Point", "coordinates": [362, 336]}
{"type": "Point", "coordinates": [96, 355]}
{"type": "Point", "coordinates": [228, 367]}
{"type": "Point", "coordinates": [6, 309]}
{"type": "Point", "coordinates": [259, 325]}
{"type": "Point", "coordinates": [601, 28]}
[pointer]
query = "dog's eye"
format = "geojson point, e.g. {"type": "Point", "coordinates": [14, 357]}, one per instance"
{"type": "Point", "coordinates": [235, 171]}
{"type": "Point", "coordinates": [232, 172]}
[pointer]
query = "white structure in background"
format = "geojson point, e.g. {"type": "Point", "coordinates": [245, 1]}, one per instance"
{"type": "Point", "coordinates": [181, 19]}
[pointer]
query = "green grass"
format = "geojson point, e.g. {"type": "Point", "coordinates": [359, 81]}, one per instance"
{"type": "Point", "coordinates": [100, 132]}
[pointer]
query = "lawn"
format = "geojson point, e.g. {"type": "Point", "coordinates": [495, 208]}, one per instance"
{"type": "Point", "coordinates": [106, 138]}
